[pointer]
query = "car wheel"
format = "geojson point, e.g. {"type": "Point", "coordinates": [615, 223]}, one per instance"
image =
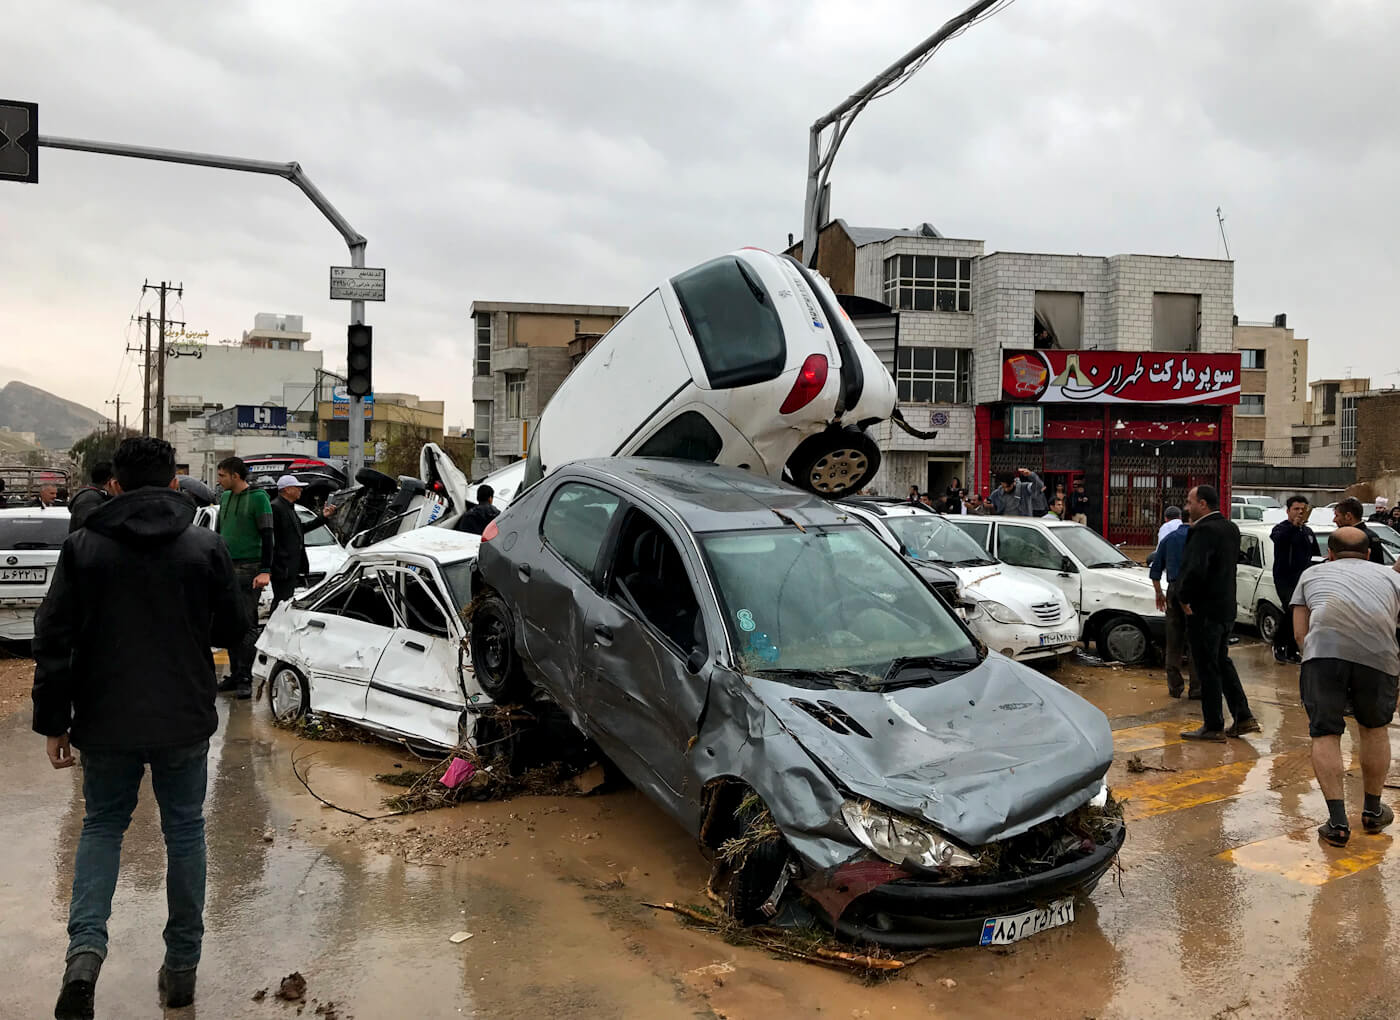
{"type": "Point", "coordinates": [1125, 640]}
{"type": "Point", "coordinates": [288, 696]}
{"type": "Point", "coordinates": [755, 875]}
{"type": "Point", "coordinates": [497, 665]}
{"type": "Point", "coordinates": [836, 463]}
{"type": "Point", "coordinates": [1269, 620]}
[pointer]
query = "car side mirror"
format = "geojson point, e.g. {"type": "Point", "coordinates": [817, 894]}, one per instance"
{"type": "Point", "coordinates": [1066, 565]}
{"type": "Point", "coordinates": [695, 661]}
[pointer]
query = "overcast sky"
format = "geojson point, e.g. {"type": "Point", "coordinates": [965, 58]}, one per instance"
{"type": "Point", "coordinates": [581, 152]}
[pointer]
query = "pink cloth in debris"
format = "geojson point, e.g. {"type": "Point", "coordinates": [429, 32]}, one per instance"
{"type": "Point", "coordinates": [459, 770]}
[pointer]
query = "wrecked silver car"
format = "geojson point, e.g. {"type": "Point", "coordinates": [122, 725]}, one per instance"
{"type": "Point", "coordinates": [786, 687]}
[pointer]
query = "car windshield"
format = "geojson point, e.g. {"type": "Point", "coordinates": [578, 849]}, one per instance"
{"type": "Point", "coordinates": [1090, 548]}
{"type": "Point", "coordinates": [44, 531]}
{"type": "Point", "coordinates": [833, 603]}
{"type": "Point", "coordinates": [734, 322]}
{"type": "Point", "coordinates": [926, 537]}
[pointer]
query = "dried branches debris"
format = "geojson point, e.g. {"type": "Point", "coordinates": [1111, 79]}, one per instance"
{"type": "Point", "coordinates": [1136, 764]}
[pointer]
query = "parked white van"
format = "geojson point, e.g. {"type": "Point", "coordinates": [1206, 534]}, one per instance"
{"type": "Point", "coordinates": [1112, 594]}
{"type": "Point", "coordinates": [747, 361]}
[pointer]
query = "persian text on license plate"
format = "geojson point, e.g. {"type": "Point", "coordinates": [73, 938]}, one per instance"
{"type": "Point", "coordinates": [1001, 931]}
{"type": "Point", "coordinates": [1056, 639]}
{"type": "Point", "coordinates": [24, 575]}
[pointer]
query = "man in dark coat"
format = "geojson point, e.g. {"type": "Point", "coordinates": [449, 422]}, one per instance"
{"type": "Point", "coordinates": [91, 496]}
{"type": "Point", "coordinates": [474, 521]}
{"type": "Point", "coordinates": [124, 672]}
{"type": "Point", "coordinates": [1206, 590]}
{"type": "Point", "coordinates": [1295, 545]}
{"type": "Point", "coordinates": [1349, 513]}
{"type": "Point", "coordinates": [289, 562]}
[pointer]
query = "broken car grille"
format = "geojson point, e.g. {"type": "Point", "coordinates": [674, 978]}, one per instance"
{"type": "Point", "coordinates": [1046, 612]}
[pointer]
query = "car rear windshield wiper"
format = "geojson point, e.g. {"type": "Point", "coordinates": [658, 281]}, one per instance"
{"type": "Point", "coordinates": [753, 284]}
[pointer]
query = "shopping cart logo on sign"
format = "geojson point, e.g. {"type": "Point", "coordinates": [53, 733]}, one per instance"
{"type": "Point", "coordinates": [1025, 376]}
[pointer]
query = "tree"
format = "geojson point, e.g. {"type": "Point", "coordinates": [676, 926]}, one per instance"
{"type": "Point", "coordinates": [97, 446]}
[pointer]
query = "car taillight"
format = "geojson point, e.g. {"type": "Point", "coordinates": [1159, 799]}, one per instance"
{"type": "Point", "coordinates": [491, 532]}
{"type": "Point", "coordinates": [810, 380]}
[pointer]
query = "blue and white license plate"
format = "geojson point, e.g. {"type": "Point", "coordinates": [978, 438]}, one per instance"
{"type": "Point", "coordinates": [1002, 931]}
{"type": "Point", "coordinates": [1056, 639]}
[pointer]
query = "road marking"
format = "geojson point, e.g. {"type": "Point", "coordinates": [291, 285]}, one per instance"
{"type": "Point", "coordinates": [1144, 738]}
{"type": "Point", "coordinates": [1177, 791]}
{"type": "Point", "coordinates": [1302, 857]}
{"type": "Point", "coordinates": [221, 658]}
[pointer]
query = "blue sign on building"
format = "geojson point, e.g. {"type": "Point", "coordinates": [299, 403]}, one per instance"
{"type": "Point", "coordinates": [248, 418]}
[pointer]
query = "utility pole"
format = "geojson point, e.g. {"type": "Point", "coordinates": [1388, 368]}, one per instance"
{"type": "Point", "coordinates": [292, 172]}
{"type": "Point", "coordinates": [146, 376]}
{"type": "Point", "coordinates": [117, 421]}
{"type": "Point", "coordinates": [840, 119]}
{"type": "Point", "coordinates": [163, 289]}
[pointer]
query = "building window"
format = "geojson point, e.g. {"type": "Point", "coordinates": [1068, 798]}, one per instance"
{"type": "Point", "coordinates": [1176, 322]}
{"type": "Point", "coordinates": [1059, 317]}
{"type": "Point", "coordinates": [483, 343]}
{"type": "Point", "coordinates": [926, 283]}
{"type": "Point", "coordinates": [1249, 449]}
{"type": "Point", "coordinates": [1326, 440]}
{"type": "Point", "coordinates": [1251, 359]}
{"type": "Point", "coordinates": [1329, 399]}
{"type": "Point", "coordinates": [482, 430]}
{"type": "Point", "coordinates": [936, 375]}
{"type": "Point", "coordinates": [577, 324]}
{"type": "Point", "coordinates": [1251, 403]}
{"type": "Point", "coordinates": [1349, 426]}
{"type": "Point", "coordinates": [515, 395]}
{"type": "Point", "coordinates": [1300, 446]}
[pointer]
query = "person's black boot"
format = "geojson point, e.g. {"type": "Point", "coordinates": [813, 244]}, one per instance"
{"type": "Point", "coordinates": [176, 987]}
{"type": "Point", "coordinates": [76, 998]}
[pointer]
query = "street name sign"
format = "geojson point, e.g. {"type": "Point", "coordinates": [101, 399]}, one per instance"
{"type": "Point", "coordinates": [349, 283]}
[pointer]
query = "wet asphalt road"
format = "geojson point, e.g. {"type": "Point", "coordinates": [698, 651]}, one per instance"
{"type": "Point", "coordinates": [1229, 906]}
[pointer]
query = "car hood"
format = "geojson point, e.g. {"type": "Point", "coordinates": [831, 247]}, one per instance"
{"type": "Point", "coordinates": [983, 756]}
{"type": "Point", "coordinates": [1014, 588]}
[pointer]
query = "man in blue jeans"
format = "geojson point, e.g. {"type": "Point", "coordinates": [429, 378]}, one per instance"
{"type": "Point", "coordinates": [124, 672]}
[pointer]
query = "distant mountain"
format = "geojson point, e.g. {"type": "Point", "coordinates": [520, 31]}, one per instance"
{"type": "Point", "coordinates": [57, 423]}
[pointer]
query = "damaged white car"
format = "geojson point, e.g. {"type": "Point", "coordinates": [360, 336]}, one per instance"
{"type": "Point", "coordinates": [30, 540]}
{"type": "Point", "coordinates": [786, 686]}
{"type": "Point", "coordinates": [381, 643]}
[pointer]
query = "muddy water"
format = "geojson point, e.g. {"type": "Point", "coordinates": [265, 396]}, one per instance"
{"type": "Point", "coordinates": [1227, 902]}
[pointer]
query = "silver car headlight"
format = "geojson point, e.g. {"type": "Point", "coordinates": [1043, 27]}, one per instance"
{"type": "Point", "coordinates": [901, 840]}
{"type": "Point", "coordinates": [999, 612]}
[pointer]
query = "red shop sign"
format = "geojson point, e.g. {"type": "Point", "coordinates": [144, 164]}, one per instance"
{"type": "Point", "coordinates": [1103, 377]}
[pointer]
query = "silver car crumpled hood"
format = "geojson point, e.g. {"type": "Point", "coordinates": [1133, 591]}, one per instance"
{"type": "Point", "coordinates": [983, 757]}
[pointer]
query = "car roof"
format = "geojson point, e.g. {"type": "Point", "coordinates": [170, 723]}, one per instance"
{"type": "Point", "coordinates": [711, 498]}
{"type": "Point", "coordinates": [442, 544]}
{"type": "Point", "coordinates": [895, 508]}
{"type": "Point", "coordinates": [33, 511]}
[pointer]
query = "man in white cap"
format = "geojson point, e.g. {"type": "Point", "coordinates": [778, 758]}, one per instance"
{"type": "Point", "coordinates": [1382, 514]}
{"type": "Point", "coordinates": [289, 544]}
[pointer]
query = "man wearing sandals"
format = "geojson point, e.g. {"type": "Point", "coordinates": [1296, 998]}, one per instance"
{"type": "Point", "coordinates": [1344, 615]}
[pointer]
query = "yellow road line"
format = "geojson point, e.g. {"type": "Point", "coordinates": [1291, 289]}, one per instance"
{"type": "Point", "coordinates": [1144, 738]}
{"type": "Point", "coordinates": [1177, 791]}
{"type": "Point", "coordinates": [1302, 857]}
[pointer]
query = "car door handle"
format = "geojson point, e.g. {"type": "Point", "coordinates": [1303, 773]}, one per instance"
{"type": "Point", "coordinates": [524, 571]}
{"type": "Point", "coordinates": [316, 623]}
{"type": "Point", "coordinates": [415, 646]}
{"type": "Point", "coordinates": [604, 633]}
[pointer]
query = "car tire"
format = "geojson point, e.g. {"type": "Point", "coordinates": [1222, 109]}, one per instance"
{"type": "Point", "coordinates": [288, 696]}
{"type": "Point", "coordinates": [1124, 639]}
{"type": "Point", "coordinates": [753, 880]}
{"type": "Point", "coordinates": [1268, 619]}
{"type": "Point", "coordinates": [836, 463]}
{"type": "Point", "coordinates": [494, 657]}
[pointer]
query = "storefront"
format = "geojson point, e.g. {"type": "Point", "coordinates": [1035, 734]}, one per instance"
{"type": "Point", "coordinates": [1140, 429]}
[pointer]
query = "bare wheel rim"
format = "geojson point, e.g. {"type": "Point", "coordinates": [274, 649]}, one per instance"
{"type": "Point", "coordinates": [1268, 625]}
{"type": "Point", "coordinates": [838, 469]}
{"type": "Point", "coordinates": [284, 694]}
{"type": "Point", "coordinates": [493, 650]}
{"type": "Point", "coordinates": [1126, 642]}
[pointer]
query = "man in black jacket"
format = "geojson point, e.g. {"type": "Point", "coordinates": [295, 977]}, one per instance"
{"type": "Point", "coordinates": [474, 521]}
{"type": "Point", "coordinates": [90, 497]}
{"type": "Point", "coordinates": [1349, 513]}
{"type": "Point", "coordinates": [124, 672]}
{"type": "Point", "coordinates": [289, 561]}
{"type": "Point", "coordinates": [1206, 591]}
{"type": "Point", "coordinates": [1295, 545]}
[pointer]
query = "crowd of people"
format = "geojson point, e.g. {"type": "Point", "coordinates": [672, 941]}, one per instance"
{"type": "Point", "coordinates": [1019, 493]}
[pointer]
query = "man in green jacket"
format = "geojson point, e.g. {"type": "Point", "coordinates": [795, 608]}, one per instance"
{"type": "Point", "coordinates": [245, 525]}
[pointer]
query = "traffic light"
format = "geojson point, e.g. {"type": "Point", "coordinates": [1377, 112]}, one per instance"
{"type": "Point", "coordinates": [359, 357]}
{"type": "Point", "coordinates": [19, 141]}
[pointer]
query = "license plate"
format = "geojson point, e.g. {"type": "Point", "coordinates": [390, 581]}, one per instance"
{"type": "Point", "coordinates": [1055, 639]}
{"type": "Point", "coordinates": [1002, 931]}
{"type": "Point", "coordinates": [24, 575]}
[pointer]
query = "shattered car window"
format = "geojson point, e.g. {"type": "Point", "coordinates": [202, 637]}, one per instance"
{"type": "Point", "coordinates": [931, 538]}
{"type": "Point", "coordinates": [827, 600]}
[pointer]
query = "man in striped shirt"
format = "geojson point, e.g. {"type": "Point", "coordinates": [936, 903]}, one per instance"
{"type": "Point", "coordinates": [1344, 616]}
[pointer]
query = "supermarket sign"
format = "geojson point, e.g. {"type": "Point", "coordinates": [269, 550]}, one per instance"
{"type": "Point", "coordinates": [1111, 377]}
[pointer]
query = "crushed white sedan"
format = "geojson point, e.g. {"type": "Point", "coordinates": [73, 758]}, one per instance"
{"type": "Point", "coordinates": [381, 643]}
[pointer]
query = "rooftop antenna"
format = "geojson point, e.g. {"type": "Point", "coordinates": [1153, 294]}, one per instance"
{"type": "Point", "coordinates": [1220, 218]}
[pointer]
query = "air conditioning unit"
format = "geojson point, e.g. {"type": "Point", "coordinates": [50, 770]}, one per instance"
{"type": "Point", "coordinates": [1025, 424]}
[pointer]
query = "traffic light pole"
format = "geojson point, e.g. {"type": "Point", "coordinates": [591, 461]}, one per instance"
{"type": "Point", "coordinates": [287, 171]}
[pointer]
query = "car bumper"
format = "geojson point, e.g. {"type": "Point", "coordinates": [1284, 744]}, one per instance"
{"type": "Point", "coordinates": [909, 914]}
{"type": "Point", "coordinates": [1025, 642]}
{"type": "Point", "coordinates": [17, 622]}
